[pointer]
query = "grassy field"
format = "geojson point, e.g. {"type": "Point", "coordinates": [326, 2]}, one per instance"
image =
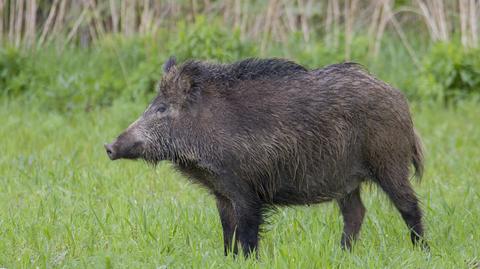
{"type": "Point", "coordinates": [64, 204]}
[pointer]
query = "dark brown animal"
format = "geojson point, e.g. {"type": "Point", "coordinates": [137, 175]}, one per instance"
{"type": "Point", "coordinates": [263, 133]}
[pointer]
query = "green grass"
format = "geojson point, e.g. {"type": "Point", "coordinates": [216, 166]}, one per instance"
{"type": "Point", "coordinates": [64, 204]}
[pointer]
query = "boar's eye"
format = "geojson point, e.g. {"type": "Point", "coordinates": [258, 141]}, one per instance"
{"type": "Point", "coordinates": [161, 108]}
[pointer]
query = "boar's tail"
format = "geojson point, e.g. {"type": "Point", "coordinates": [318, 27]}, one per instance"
{"type": "Point", "coordinates": [418, 156]}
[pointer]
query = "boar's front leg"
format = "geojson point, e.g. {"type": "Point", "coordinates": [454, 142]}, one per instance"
{"type": "Point", "coordinates": [240, 210]}
{"type": "Point", "coordinates": [248, 215]}
{"type": "Point", "coordinates": [227, 218]}
{"type": "Point", "coordinates": [241, 219]}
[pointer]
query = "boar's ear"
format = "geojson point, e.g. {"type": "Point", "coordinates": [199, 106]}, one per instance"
{"type": "Point", "coordinates": [190, 78]}
{"type": "Point", "coordinates": [171, 62]}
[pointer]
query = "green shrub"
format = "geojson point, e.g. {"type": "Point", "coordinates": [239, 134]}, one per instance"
{"type": "Point", "coordinates": [70, 78]}
{"type": "Point", "coordinates": [115, 67]}
{"type": "Point", "coordinates": [209, 41]}
{"type": "Point", "coordinates": [450, 73]}
{"type": "Point", "coordinates": [318, 54]}
{"type": "Point", "coordinates": [13, 80]}
{"type": "Point", "coordinates": [75, 78]}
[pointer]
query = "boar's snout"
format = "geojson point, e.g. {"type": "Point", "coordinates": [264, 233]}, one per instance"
{"type": "Point", "coordinates": [125, 146]}
{"type": "Point", "coordinates": [110, 151]}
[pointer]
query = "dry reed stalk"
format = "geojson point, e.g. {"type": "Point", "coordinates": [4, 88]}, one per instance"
{"type": "Point", "coordinates": [225, 10]}
{"type": "Point", "coordinates": [238, 14]}
{"type": "Point", "coordinates": [11, 17]}
{"type": "Point", "coordinates": [19, 22]}
{"type": "Point", "coordinates": [332, 23]}
{"type": "Point", "coordinates": [474, 10]}
{"type": "Point", "coordinates": [268, 24]}
{"type": "Point", "coordinates": [403, 37]}
{"type": "Point", "coordinates": [2, 4]}
{"type": "Point", "coordinates": [97, 20]}
{"type": "Point", "coordinates": [350, 8]}
{"type": "Point", "coordinates": [145, 18]}
{"type": "Point", "coordinates": [468, 22]}
{"type": "Point", "coordinates": [304, 20]}
{"type": "Point", "coordinates": [462, 7]}
{"type": "Point", "coordinates": [441, 18]}
{"type": "Point", "coordinates": [59, 20]}
{"type": "Point", "coordinates": [160, 13]}
{"type": "Point", "coordinates": [75, 27]}
{"type": "Point", "coordinates": [289, 17]}
{"type": "Point", "coordinates": [175, 9]}
{"type": "Point", "coordinates": [244, 21]}
{"type": "Point", "coordinates": [336, 23]}
{"type": "Point", "coordinates": [130, 17]}
{"type": "Point", "coordinates": [381, 26]}
{"type": "Point", "coordinates": [123, 8]}
{"type": "Point", "coordinates": [30, 22]}
{"type": "Point", "coordinates": [48, 23]}
{"type": "Point", "coordinates": [429, 20]}
{"type": "Point", "coordinates": [328, 22]}
{"type": "Point", "coordinates": [166, 14]}
{"type": "Point", "coordinates": [348, 28]}
{"type": "Point", "coordinates": [259, 21]}
{"type": "Point", "coordinates": [284, 21]}
{"type": "Point", "coordinates": [251, 29]}
{"type": "Point", "coordinates": [93, 34]}
{"type": "Point", "coordinates": [193, 9]}
{"type": "Point", "coordinates": [434, 14]}
{"type": "Point", "coordinates": [374, 22]}
{"type": "Point", "coordinates": [279, 29]}
{"type": "Point", "coordinates": [114, 16]}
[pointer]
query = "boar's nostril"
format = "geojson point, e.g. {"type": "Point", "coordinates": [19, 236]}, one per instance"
{"type": "Point", "coordinates": [110, 152]}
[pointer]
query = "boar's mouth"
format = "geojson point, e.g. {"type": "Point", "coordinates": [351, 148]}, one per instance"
{"type": "Point", "coordinates": [121, 150]}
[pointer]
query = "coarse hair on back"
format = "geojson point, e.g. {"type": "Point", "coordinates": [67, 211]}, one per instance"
{"type": "Point", "coordinates": [248, 69]}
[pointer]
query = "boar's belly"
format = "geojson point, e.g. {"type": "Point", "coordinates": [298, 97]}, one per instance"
{"type": "Point", "coordinates": [311, 191]}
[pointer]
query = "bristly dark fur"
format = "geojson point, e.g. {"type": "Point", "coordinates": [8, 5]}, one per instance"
{"type": "Point", "coordinates": [248, 69]}
{"type": "Point", "coordinates": [265, 133]}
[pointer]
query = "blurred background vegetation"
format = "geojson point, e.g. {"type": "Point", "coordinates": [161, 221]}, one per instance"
{"type": "Point", "coordinates": [70, 55]}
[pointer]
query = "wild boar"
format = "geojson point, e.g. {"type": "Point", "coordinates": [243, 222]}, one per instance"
{"type": "Point", "coordinates": [262, 133]}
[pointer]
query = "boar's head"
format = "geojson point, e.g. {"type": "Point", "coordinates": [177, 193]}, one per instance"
{"type": "Point", "coordinates": [162, 131]}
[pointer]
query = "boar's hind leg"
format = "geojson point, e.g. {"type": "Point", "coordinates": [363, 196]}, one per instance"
{"type": "Point", "coordinates": [398, 188]}
{"type": "Point", "coordinates": [353, 212]}
{"type": "Point", "coordinates": [227, 218]}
